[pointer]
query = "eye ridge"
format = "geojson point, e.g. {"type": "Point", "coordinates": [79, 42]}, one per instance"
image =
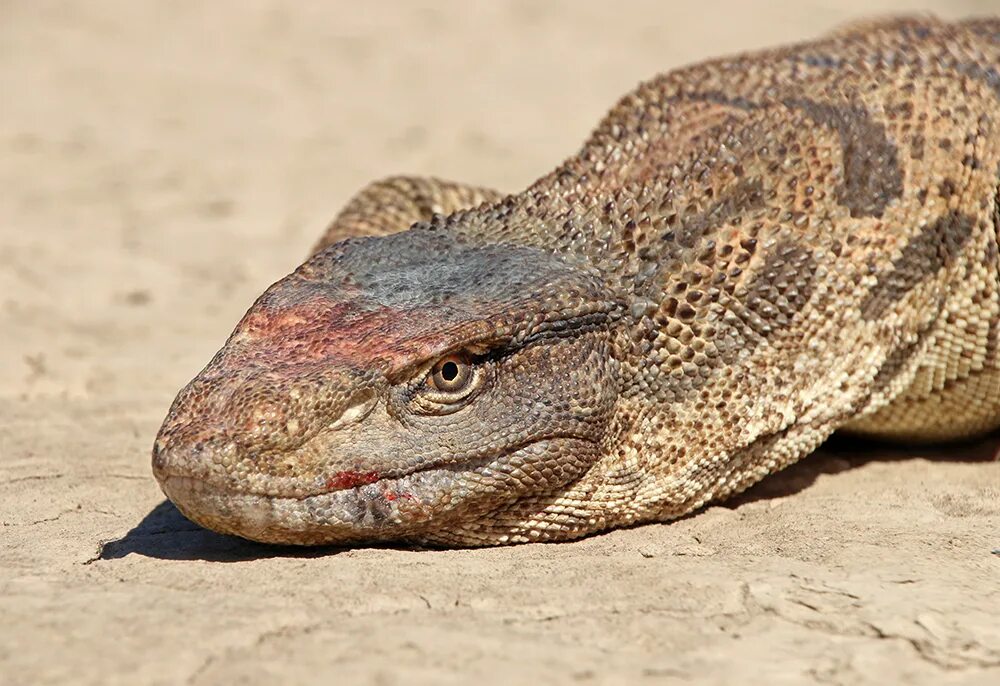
{"type": "Point", "coordinates": [449, 371]}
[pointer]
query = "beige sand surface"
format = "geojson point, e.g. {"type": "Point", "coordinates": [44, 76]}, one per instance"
{"type": "Point", "coordinates": [162, 162]}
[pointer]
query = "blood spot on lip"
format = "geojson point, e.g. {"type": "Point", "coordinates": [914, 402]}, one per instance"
{"type": "Point", "coordinates": [396, 495]}
{"type": "Point", "coordinates": [351, 479]}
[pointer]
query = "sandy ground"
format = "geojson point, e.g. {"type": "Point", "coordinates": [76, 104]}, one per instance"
{"type": "Point", "coordinates": [162, 162]}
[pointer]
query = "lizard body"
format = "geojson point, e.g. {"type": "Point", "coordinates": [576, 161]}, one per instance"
{"type": "Point", "coordinates": [747, 255]}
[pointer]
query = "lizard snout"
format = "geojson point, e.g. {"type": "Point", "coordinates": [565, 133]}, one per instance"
{"type": "Point", "coordinates": [233, 427]}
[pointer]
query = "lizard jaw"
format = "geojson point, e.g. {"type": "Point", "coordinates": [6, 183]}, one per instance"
{"type": "Point", "coordinates": [368, 512]}
{"type": "Point", "coordinates": [393, 508]}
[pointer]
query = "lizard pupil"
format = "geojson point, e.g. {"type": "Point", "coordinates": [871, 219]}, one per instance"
{"type": "Point", "coordinates": [449, 372]}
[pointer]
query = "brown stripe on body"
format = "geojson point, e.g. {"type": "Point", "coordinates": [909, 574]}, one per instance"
{"type": "Point", "coordinates": [781, 287]}
{"type": "Point", "coordinates": [895, 363]}
{"type": "Point", "coordinates": [740, 199]}
{"type": "Point", "coordinates": [872, 174]}
{"type": "Point", "coordinates": [936, 245]}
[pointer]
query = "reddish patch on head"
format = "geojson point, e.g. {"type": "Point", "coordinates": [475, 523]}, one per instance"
{"type": "Point", "coordinates": [397, 495]}
{"type": "Point", "coordinates": [322, 330]}
{"type": "Point", "coordinates": [350, 479]}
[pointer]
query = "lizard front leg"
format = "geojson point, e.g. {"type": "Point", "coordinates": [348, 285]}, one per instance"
{"type": "Point", "coordinates": [397, 202]}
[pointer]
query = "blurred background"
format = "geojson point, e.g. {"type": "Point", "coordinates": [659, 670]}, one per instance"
{"type": "Point", "coordinates": [164, 161]}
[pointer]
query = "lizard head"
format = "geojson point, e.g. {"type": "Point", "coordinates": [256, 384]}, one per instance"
{"type": "Point", "coordinates": [408, 387]}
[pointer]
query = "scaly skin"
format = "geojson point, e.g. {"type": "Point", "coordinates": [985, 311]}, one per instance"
{"type": "Point", "coordinates": [747, 255]}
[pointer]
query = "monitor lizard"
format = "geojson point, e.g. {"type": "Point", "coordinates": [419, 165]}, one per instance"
{"type": "Point", "coordinates": [747, 255]}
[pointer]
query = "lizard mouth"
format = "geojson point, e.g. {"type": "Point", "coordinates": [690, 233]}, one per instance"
{"type": "Point", "coordinates": [347, 506]}
{"type": "Point", "coordinates": [395, 507]}
{"type": "Point", "coordinates": [176, 466]}
{"type": "Point", "coordinates": [368, 511]}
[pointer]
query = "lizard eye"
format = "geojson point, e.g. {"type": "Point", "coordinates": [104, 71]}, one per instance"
{"type": "Point", "coordinates": [450, 384]}
{"type": "Point", "coordinates": [450, 374]}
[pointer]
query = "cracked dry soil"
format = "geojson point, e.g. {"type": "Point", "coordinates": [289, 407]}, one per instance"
{"type": "Point", "coordinates": [163, 162]}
